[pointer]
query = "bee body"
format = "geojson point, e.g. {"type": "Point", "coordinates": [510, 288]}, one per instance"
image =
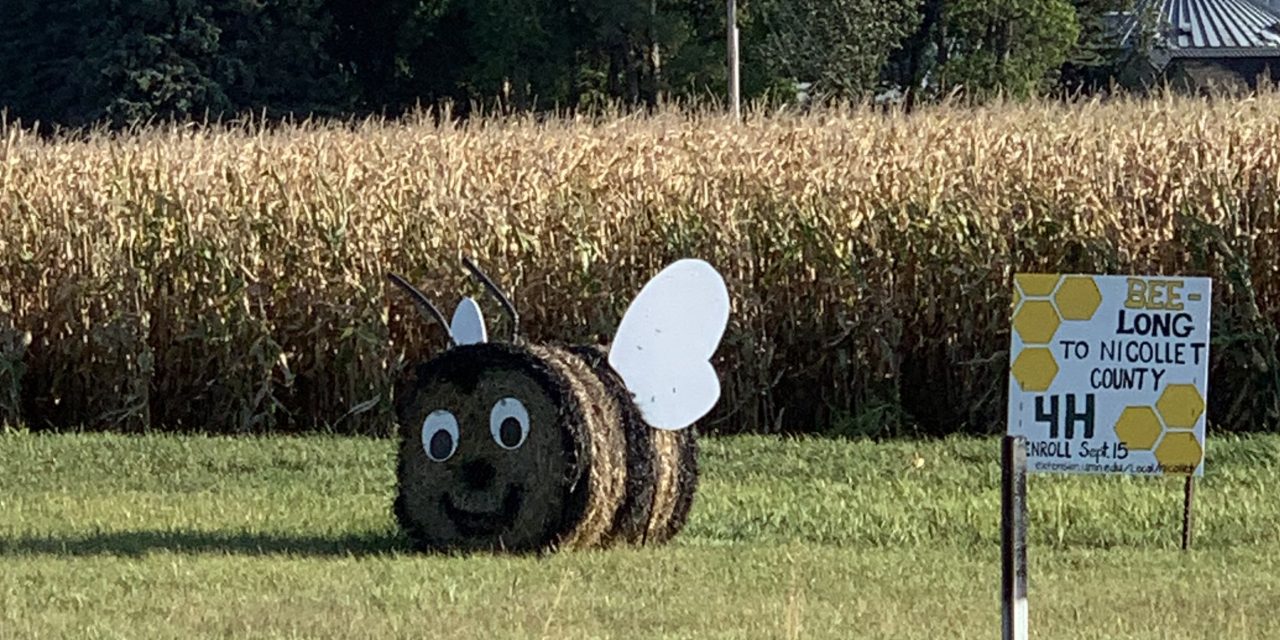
{"type": "Point", "coordinates": [662, 466]}
{"type": "Point", "coordinates": [527, 447]}
{"type": "Point", "coordinates": [602, 477]}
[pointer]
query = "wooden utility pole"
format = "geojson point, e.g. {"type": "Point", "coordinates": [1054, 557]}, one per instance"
{"type": "Point", "coordinates": [735, 101]}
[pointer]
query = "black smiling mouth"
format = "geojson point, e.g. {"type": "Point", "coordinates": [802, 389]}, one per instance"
{"type": "Point", "coordinates": [481, 523]}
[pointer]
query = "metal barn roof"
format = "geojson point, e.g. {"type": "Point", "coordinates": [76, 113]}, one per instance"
{"type": "Point", "coordinates": [1217, 28]}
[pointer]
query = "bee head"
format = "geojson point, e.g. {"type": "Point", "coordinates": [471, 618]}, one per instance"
{"type": "Point", "coordinates": [491, 445]}
{"type": "Point", "coordinates": [491, 450]}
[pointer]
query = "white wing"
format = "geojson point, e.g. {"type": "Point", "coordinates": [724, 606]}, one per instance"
{"type": "Point", "coordinates": [665, 342]}
{"type": "Point", "coordinates": [467, 325]}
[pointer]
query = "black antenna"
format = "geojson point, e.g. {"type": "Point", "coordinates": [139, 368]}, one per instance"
{"type": "Point", "coordinates": [497, 293]}
{"type": "Point", "coordinates": [429, 311]}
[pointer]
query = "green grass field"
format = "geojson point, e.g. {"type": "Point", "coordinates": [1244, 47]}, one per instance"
{"type": "Point", "coordinates": [177, 537]}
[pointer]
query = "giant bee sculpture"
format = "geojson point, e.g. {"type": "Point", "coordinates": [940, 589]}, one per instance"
{"type": "Point", "coordinates": [535, 447]}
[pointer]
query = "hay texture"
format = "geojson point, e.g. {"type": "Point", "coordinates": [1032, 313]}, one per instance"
{"type": "Point", "coordinates": [662, 465]}
{"type": "Point", "coordinates": [589, 473]}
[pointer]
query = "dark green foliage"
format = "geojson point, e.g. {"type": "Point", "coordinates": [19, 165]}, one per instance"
{"type": "Point", "coordinates": [987, 47]}
{"type": "Point", "coordinates": [271, 57]}
{"type": "Point", "coordinates": [1097, 56]}
{"type": "Point", "coordinates": [83, 61]}
{"type": "Point", "coordinates": [394, 48]}
{"type": "Point", "coordinates": [1013, 46]}
{"type": "Point", "coordinates": [527, 54]}
{"type": "Point", "coordinates": [542, 53]}
{"type": "Point", "coordinates": [524, 50]}
{"type": "Point", "coordinates": [45, 70]}
{"type": "Point", "coordinates": [76, 63]}
{"type": "Point", "coordinates": [840, 46]}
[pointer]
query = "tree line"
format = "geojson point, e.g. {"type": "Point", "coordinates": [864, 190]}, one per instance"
{"type": "Point", "coordinates": [81, 62]}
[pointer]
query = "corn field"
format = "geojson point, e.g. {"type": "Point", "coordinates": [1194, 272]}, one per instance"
{"type": "Point", "coordinates": [232, 279]}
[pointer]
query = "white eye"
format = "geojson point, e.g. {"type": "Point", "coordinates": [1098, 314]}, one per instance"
{"type": "Point", "coordinates": [440, 435]}
{"type": "Point", "coordinates": [509, 423]}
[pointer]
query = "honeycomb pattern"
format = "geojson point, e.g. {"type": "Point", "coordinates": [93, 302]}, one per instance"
{"type": "Point", "coordinates": [1179, 452]}
{"type": "Point", "coordinates": [1138, 428]}
{"type": "Point", "coordinates": [1078, 298]}
{"type": "Point", "coordinates": [1035, 369]}
{"type": "Point", "coordinates": [1179, 409]}
{"type": "Point", "coordinates": [1036, 321]}
{"type": "Point", "coordinates": [1181, 406]}
{"type": "Point", "coordinates": [1037, 285]}
{"type": "Point", "coordinates": [1041, 301]}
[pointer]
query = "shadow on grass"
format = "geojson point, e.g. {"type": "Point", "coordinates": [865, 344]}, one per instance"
{"type": "Point", "coordinates": [138, 543]}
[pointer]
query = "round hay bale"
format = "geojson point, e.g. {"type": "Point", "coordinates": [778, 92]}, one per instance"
{"type": "Point", "coordinates": [508, 447]}
{"type": "Point", "coordinates": [683, 479]}
{"type": "Point", "coordinates": [607, 473]}
{"type": "Point", "coordinates": [662, 465]}
{"type": "Point", "coordinates": [631, 524]}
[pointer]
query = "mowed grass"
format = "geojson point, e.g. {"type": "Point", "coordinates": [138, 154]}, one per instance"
{"type": "Point", "coordinates": [105, 536]}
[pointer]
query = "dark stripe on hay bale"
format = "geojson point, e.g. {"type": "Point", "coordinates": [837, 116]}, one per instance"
{"type": "Point", "coordinates": [631, 524]}
{"type": "Point", "coordinates": [542, 492]}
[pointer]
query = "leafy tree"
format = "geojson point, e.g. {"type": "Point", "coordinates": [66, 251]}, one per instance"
{"type": "Point", "coordinates": [1012, 46]}
{"type": "Point", "coordinates": [121, 61]}
{"type": "Point", "coordinates": [571, 53]}
{"type": "Point", "coordinates": [525, 50]}
{"type": "Point", "coordinates": [1097, 55]}
{"type": "Point", "coordinates": [79, 61]}
{"type": "Point", "coordinates": [271, 56]}
{"type": "Point", "coordinates": [840, 46]}
{"type": "Point", "coordinates": [155, 59]}
{"type": "Point", "coordinates": [1015, 47]}
{"type": "Point", "coordinates": [393, 49]}
{"type": "Point", "coordinates": [911, 66]}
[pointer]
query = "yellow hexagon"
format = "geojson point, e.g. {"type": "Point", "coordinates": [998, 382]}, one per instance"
{"type": "Point", "coordinates": [1035, 369]}
{"type": "Point", "coordinates": [1036, 321]}
{"type": "Point", "coordinates": [1179, 452]}
{"type": "Point", "coordinates": [1138, 428]}
{"type": "Point", "coordinates": [1078, 298]}
{"type": "Point", "coordinates": [1181, 406]}
{"type": "Point", "coordinates": [1037, 284]}
{"type": "Point", "coordinates": [1017, 297]}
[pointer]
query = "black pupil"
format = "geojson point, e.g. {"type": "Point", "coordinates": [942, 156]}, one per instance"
{"type": "Point", "coordinates": [441, 444]}
{"type": "Point", "coordinates": [509, 432]}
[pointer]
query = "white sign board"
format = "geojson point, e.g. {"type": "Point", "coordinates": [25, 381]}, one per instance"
{"type": "Point", "coordinates": [1109, 374]}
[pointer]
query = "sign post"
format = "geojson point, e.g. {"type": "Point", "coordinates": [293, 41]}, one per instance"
{"type": "Point", "coordinates": [1188, 494]}
{"type": "Point", "coordinates": [1109, 375]}
{"type": "Point", "coordinates": [1013, 538]}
